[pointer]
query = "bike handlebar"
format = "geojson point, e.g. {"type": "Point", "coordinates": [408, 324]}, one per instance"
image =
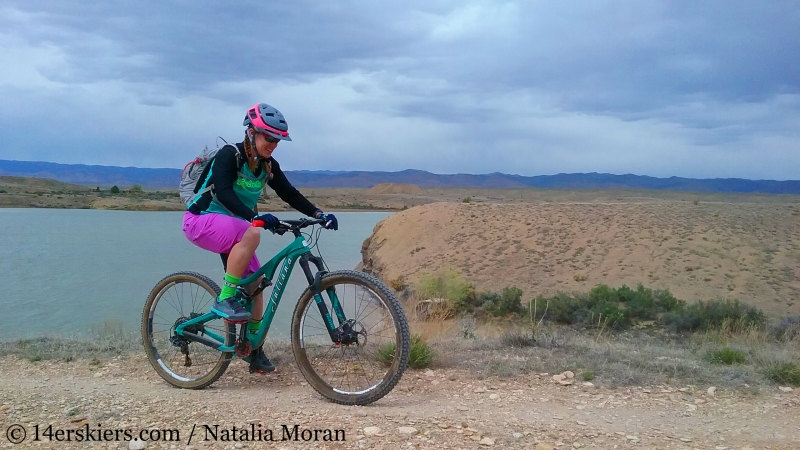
{"type": "Point", "coordinates": [290, 225]}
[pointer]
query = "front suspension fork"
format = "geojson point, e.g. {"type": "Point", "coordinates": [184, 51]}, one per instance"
{"type": "Point", "coordinates": [314, 281]}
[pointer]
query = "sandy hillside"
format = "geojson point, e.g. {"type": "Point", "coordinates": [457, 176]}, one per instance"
{"type": "Point", "coordinates": [393, 188]}
{"type": "Point", "coordinates": [748, 251]}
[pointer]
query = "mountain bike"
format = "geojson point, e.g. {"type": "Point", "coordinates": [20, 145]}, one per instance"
{"type": "Point", "coordinates": [355, 360]}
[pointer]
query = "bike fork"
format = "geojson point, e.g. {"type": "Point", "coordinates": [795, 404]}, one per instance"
{"type": "Point", "coordinates": [314, 281]}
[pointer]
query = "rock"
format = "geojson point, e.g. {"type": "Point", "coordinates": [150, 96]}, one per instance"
{"type": "Point", "coordinates": [712, 391]}
{"type": "Point", "coordinates": [371, 431]}
{"type": "Point", "coordinates": [785, 389]}
{"type": "Point", "coordinates": [559, 378]}
{"type": "Point", "coordinates": [429, 373]}
{"type": "Point", "coordinates": [137, 445]}
{"type": "Point", "coordinates": [588, 384]}
{"type": "Point", "coordinates": [407, 430]}
{"type": "Point", "coordinates": [494, 397]}
{"type": "Point", "coordinates": [544, 446]}
{"type": "Point", "coordinates": [479, 390]}
{"type": "Point", "coordinates": [486, 441]}
{"type": "Point", "coordinates": [569, 374]}
{"type": "Point", "coordinates": [565, 382]}
{"type": "Point", "coordinates": [516, 435]}
{"type": "Point", "coordinates": [632, 437]}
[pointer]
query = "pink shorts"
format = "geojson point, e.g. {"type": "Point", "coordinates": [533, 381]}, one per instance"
{"type": "Point", "coordinates": [217, 233]}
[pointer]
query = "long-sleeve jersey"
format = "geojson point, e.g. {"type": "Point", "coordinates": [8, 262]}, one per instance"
{"type": "Point", "coordinates": [236, 188]}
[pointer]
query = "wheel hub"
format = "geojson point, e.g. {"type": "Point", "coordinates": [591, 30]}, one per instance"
{"type": "Point", "coordinates": [352, 332]}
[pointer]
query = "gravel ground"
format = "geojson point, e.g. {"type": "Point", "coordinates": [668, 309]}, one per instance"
{"type": "Point", "coordinates": [447, 408]}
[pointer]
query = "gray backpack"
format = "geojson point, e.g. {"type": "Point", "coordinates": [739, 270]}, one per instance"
{"type": "Point", "coordinates": [195, 172]}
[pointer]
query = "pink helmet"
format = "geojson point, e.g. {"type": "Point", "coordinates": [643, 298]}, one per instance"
{"type": "Point", "coordinates": [266, 119]}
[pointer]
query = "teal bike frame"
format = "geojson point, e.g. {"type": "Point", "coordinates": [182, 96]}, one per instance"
{"type": "Point", "coordinates": [296, 250]}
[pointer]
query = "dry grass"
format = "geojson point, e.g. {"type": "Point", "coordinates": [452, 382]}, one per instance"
{"type": "Point", "coordinates": [639, 357]}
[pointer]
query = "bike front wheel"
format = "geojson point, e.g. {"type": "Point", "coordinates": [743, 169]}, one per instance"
{"type": "Point", "coordinates": [368, 367]}
{"type": "Point", "coordinates": [181, 362]}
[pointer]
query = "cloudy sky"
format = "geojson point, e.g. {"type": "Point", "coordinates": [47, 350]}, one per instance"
{"type": "Point", "coordinates": [663, 88]}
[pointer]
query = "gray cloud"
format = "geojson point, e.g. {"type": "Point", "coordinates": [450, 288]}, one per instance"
{"type": "Point", "coordinates": [658, 88]}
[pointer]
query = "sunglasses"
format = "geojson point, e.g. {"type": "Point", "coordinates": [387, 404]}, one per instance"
{"type": "Point", "coordinates": [270, 139]}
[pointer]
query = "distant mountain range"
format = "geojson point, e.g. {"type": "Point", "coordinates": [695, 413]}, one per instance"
{"type": "Point", "coordinates": [106, 176]}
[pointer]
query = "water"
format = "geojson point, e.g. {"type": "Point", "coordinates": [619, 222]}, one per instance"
{"type": "Point", "coordinates": [66, 272]}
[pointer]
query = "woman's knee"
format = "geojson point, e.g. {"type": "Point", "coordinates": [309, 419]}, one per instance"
{"type": "Point", "coordinates": [251, 237]}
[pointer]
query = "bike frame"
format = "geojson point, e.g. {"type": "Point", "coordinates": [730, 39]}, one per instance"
{"type": "Point", "coordinates": [297, 250]}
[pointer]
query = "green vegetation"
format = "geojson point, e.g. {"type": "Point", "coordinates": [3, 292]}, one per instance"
{"type": "Point", "coordinates": [467, 200]}
{"type": "Point", "coordinates": [421, 355]}
{"type": "Point", "coordinates": [114, 189]}
{"type": "Point", "coordinates": [602, 307]}
{"type": "Point", "coordinates": [785, 373]}
{"type": "Point", "coordinates": [714, 314]}
{"type": "Point", "coordinates": [728, 356]}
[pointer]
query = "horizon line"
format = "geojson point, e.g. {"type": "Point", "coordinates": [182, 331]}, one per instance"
{"type": "Point", "coordinates": [432, 173]}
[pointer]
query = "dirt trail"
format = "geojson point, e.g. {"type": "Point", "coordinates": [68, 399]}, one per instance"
{"type": "Point", "coordinates": [446, 408]}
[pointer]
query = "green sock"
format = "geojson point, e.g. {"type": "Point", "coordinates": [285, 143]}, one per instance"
{"type": "Point", "coordinates": [229, 290]}
{"type": "Point", "coordinates": [252, 327]}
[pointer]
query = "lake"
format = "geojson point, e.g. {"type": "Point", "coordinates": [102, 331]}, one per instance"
{"type": "Point", "coordinates": [67, 272]}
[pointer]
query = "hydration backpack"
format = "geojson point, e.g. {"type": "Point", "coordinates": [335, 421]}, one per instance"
{"type": "Point", "coordinates": [196, 171]}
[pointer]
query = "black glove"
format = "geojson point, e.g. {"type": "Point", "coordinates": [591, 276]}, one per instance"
{"type": "Point", "coordinates": [330, 220]}
{"type": "Point", "coordinates": [265, 221]}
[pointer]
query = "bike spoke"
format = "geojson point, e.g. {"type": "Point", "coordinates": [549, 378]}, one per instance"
{"type": "Point", "coordinates": [178, 303]}
{"type": "Point", "coordinates": [355, 367]}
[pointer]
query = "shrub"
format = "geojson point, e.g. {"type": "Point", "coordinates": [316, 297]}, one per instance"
{"type": "Point", "coordinates": [607, 307]}
{"type": "Point", "coordinates": [786, 329]}
{"type": "Point", "coordinates": [398, 284]}
{"type": "Point", "coordinates": [510, 301]}
{"type": "Point", "coordinates": [518, 339]}
{"type": "Point", "coordinates": [447, 283]}
{"type": "Point", "coordinates": [114, 189]}
{"type": "Point", "coordinates": [727, 356]}
{"type": "Point", "coordinates": [420, 356]}
{"type": "Point", "coordinates": [136, 188]}
{"type": "Point", "coordinates": [712, 315]}
{"type": "Point", "coordinates": [587, 375]}
{"type": "Point", "coordinates": [786, 373]}
{"type": "Point", "coordinates": [467, 200]}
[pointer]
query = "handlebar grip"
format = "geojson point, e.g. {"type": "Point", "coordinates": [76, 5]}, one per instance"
{"type": "Point", "coordinates": [259, 223]}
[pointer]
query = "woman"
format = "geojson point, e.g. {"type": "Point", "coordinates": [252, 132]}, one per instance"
{"type": "Point", "coordinates": [219, 218]}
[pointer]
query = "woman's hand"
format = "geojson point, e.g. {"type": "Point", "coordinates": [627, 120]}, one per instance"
{"type": "Point", "coordinates": [265, 221]}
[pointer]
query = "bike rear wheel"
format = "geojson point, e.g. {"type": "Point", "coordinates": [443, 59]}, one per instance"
{"type": "Point", "coordinates": [181, 362]}
{"type": "Point", "coordinates": [363, 371]}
